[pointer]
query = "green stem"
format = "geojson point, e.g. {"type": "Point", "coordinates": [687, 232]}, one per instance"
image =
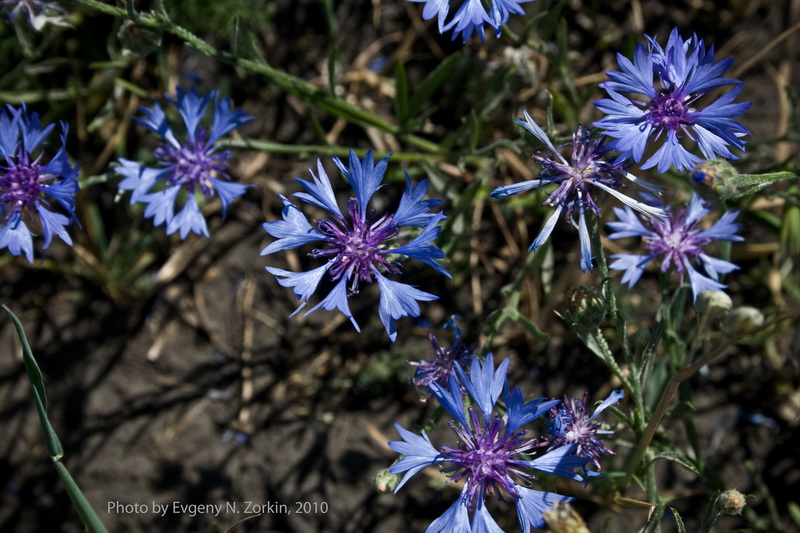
{"type": "Point", "coordinates": [663, 404]}
{"type": "Point", "coordinates": [318, 149]}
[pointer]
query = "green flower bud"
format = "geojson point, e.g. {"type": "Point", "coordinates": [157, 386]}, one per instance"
{"type": "Point", "coordinates": [385, 482]}
{"type": "Point", "coordinates": [585, 308]}
{"type": "Point", "coordinates": [714, 179]}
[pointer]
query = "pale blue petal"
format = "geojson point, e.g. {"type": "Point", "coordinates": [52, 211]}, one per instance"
{"type": "Point", "coordinates": [531, 505]}
{"type": "Point", "coordinates": [560, 462]}
{"type": "Point", "coordinates": [613, 398]}
{"type": "Point", "coordinates": [546, 230]}
{"type": "Point", "coordinates": [192, 107]}
{"type": "Point", "coordinates": [398, 300]}
{"type": "Point", "coordinates": [413, 210]}
{"type": "Point", "coordinates": [292, 232]}
{"type": "Point", "coordinates": [303, 284]}
{"type": "Point", "coordinates": [190, 218]}
{"type": "Point", "coordinates": [320, 192]}
{"type": "Point", "coordinates": [516, 188]}
{"type": "Point", "coordinates": [482, 521]}
{"type": "Point", "coordinates": [420, 247]}
{"type": "Point", "coordinates": [337, 299]}
{"type": "Point", "coordinates": [364, 176]}
{"type": "Point", "coordinates": [225, 120]}
{"type": "Point", "coordinates": [633, 265]}
{"type": "Point", "coordinates": [520, 413]}
{"type": "Point", "coordinates": [160, 205]}
{"type": "Point", "coordinates": [227, 192]}
{"type": "Point", "coordinates": [156, 121]}
{"type": "Point", "coordinates": [485, 384]}
{"type": "Point", "coordinates": [138, 178]}
{"type": "Point", "coordinates": [455, 519]}
{"type": "Point", "coordinates": [52, 223]}
{"type": "Point", "coordinates": [418, 451]}
{"type": "Point", "coordinates": [16, 236]}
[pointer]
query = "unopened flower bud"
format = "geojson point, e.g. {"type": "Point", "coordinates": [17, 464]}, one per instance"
{"type": "Point", "coordinates": [385, 482]}
{"type": "Point", "coordinates": [715, 303]}
{"type": "Point", "coordinates": [585, 308]}
{"type": "Point", "coordinates": [743, 319]}
{"type": "Point", "coordinates": [714, 179]}
{"type": "Point", "coordinates": [562, 518]}
{"type": "Point", "coordinates": [731, 502]}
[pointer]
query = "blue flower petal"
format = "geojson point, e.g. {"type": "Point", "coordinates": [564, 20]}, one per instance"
{"type": "Point", "coordinates": [531, 505]}
{"type": "Point", "coordinates": [190, 218]}
{"type": "Point", "coordinates": [454, 520]}
{"type": "Point", "coordinates": [16, 236]}
{"type": "Point", "coordinates": [398, 300]}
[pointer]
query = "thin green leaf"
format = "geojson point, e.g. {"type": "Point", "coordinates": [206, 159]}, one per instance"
{"type": "Point", "coordinates": [54, 448]}
{"type": "Point", "coordinates": [678, 458]}
{"type": "Point", "coordinates": [87, 514]}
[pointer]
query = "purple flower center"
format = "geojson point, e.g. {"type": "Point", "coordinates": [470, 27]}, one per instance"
{"type": "Point", "coordinates": [670, 110]}
{"type": "Point", "coordinates": [438, 370]}
{"type": "Point", "coordinates": [487, 458]}
{"type": "Point", "coordinates": [21, 183]}
{"type": "Point", "coordinates": [356, 246]}
{"type": "Point", "coordinates": [676, 241]}
{"type": "Point", "coordinates": [570, 425]}
{"type": "Point", "coordinates": [587, 166]}
{"type": "Point", "coordinates": [194, 163]}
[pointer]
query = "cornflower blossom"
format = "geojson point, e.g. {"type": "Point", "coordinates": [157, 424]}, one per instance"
{"type": "Point", "coordinates": [686, 72]}
{"type": "Point", "coordinates": [494, 455]}
{"type": "Point", "coordinates": [588, 169]}
{"type": "Point", "coordinates": [471, 15]}
{"type": "Point", "coordinates": [197, 167]}
{"type": "Point", "coordinates": [570, 425]}
{"type": "Point", "coordinates": [447, 358]}
{"type": "Point", "coordinates": [678, 241]}
{"type": "Point", "coordinates": [37, 13]}
{"type": "Point", "coordinates": [357, 242]}
{"type": "Point", "coordinates": [28, 186]}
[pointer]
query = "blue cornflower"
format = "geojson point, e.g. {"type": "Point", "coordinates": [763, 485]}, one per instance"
{"type": "Point", "coordinates": [357, 241]}
{"type": "Point", "coordinates": [471, 15]}
{"type": "Point", "coordinates": [186, 170]}
{"type": "Point", "coordinates": [678, 241]}
{"type": "Point", "coordinates": [587, 169]}
{"type": "Point", "coordinates": [569, 425]}
{"type": "Point", "coordinates": [447, 358]}
{"type": "Point", "coordinates": [36, 12]}
{"type": "Point", "coordinates": [28, 186]}
{"type": "Point", "coordinates": [494, 456]}
{"type": "Point", "coordinates": [686, 72]}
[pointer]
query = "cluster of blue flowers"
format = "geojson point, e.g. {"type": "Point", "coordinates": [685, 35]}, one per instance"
{"type": "Point", "coordinates": [494, 455]}
{"type": "Point", "coordinates": [685, 71]}
{"type": "Point", "coordinates": [362, 243]}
